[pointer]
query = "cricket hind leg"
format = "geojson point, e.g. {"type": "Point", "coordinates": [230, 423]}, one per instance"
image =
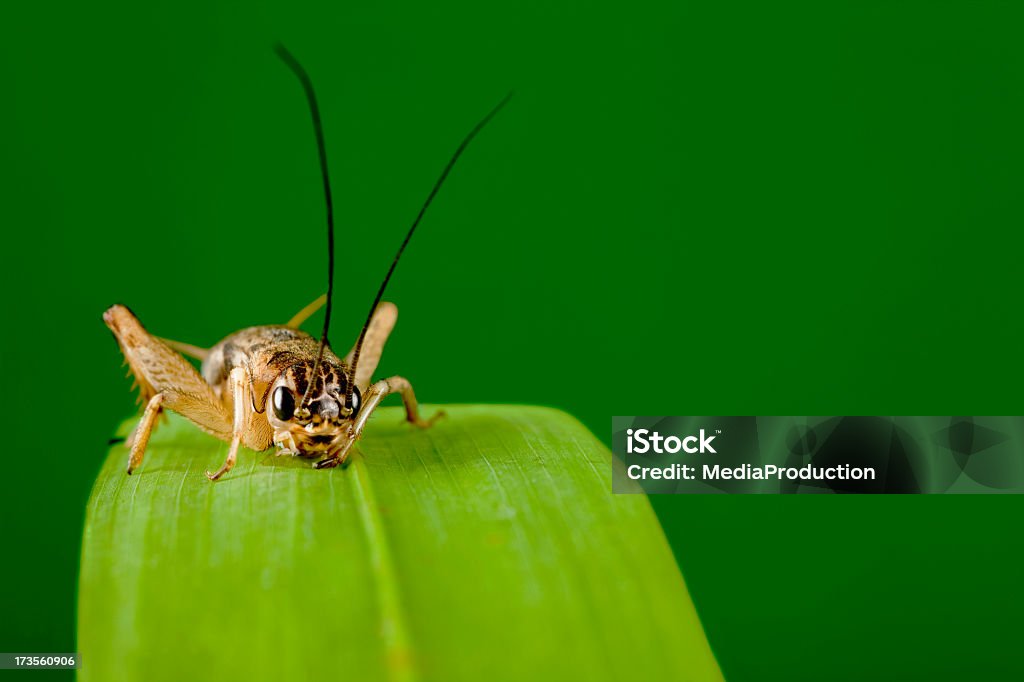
{"type": "Point", "coordinates": [382, 322]}
{"type": "Point", "coordinates": [188, 349]}
{"type": "Point", "coordinates": [372, 398]}
{"type": "Point", "coordinates": [306, 312]}
{"type": "Point", "coordinates": [140, 436]}
{"type": "Point", "coordinates": [166, 380]}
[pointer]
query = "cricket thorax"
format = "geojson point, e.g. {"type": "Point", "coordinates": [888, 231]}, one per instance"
{"type": "Point", "coordinates": [254, 348]}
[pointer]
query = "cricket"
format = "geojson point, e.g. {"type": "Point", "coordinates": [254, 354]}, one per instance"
{"type": "Point", "coordinates": [276, 385]}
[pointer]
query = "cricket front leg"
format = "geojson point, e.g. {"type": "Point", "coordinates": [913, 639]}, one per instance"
{"type": "Point", "coordinates": [371, 399]}
{"type": "Point", "coordinates": [238, 385]}
{"type": "Point", "coordinates": [412, 407]}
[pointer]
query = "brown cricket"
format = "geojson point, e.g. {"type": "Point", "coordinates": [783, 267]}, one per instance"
{"type": "Point", "coordinates": [318, 403]}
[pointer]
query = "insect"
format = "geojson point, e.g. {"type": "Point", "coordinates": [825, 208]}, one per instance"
{"type": "Point", "coordinates": [275, 384]}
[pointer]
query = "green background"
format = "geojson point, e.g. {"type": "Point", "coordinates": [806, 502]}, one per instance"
{"type": "Point", "coordinates": [689, 208]}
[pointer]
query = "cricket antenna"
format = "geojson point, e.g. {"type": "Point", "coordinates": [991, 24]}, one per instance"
{"type": "Point", "coordinates": [314, 110]}
{"type": "Point", "coordinates": [426, 204]}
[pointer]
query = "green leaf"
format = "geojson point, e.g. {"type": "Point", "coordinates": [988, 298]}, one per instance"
{"type": "Point", "coordinates": [490, 546]}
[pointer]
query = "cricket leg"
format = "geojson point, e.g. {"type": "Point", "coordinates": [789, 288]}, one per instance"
{"type": "Point", "coordinates": [188, 349]}
{"type": "Point", "coordinates": [166, 380]}
{"type": "Point", "coordinates": [140, 437]}
{"type": "Point", "coordinates": [371, 400]}
{"type": "Point", "coordinates": [377, 333]}
{"type": "Point", "coordinates": [242, 424]}
{"type": "Point", "coordinates": [305, 313]}
{"type": "Point", "coordinates": [412, 408]}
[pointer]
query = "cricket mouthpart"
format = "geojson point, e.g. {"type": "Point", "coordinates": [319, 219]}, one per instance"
{"type": "Point", "coordinates": [312, 440]}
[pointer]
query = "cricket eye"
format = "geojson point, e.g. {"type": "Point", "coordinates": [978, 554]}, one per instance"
{"type": "Point", "coordinates": [284, 403]}
{"type": "Point", "coordinates": [355, 400]}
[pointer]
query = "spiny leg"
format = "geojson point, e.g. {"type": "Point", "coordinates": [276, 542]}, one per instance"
{"type": "Point", "coordinates": [140, 437]}
{"type": "Point", "coordinates": [371, 400]}
{"type": "Point", "coordinates": [166, 380]}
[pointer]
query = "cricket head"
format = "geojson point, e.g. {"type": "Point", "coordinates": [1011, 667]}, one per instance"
{"type": "Point", "coordinates": [313, 408]}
